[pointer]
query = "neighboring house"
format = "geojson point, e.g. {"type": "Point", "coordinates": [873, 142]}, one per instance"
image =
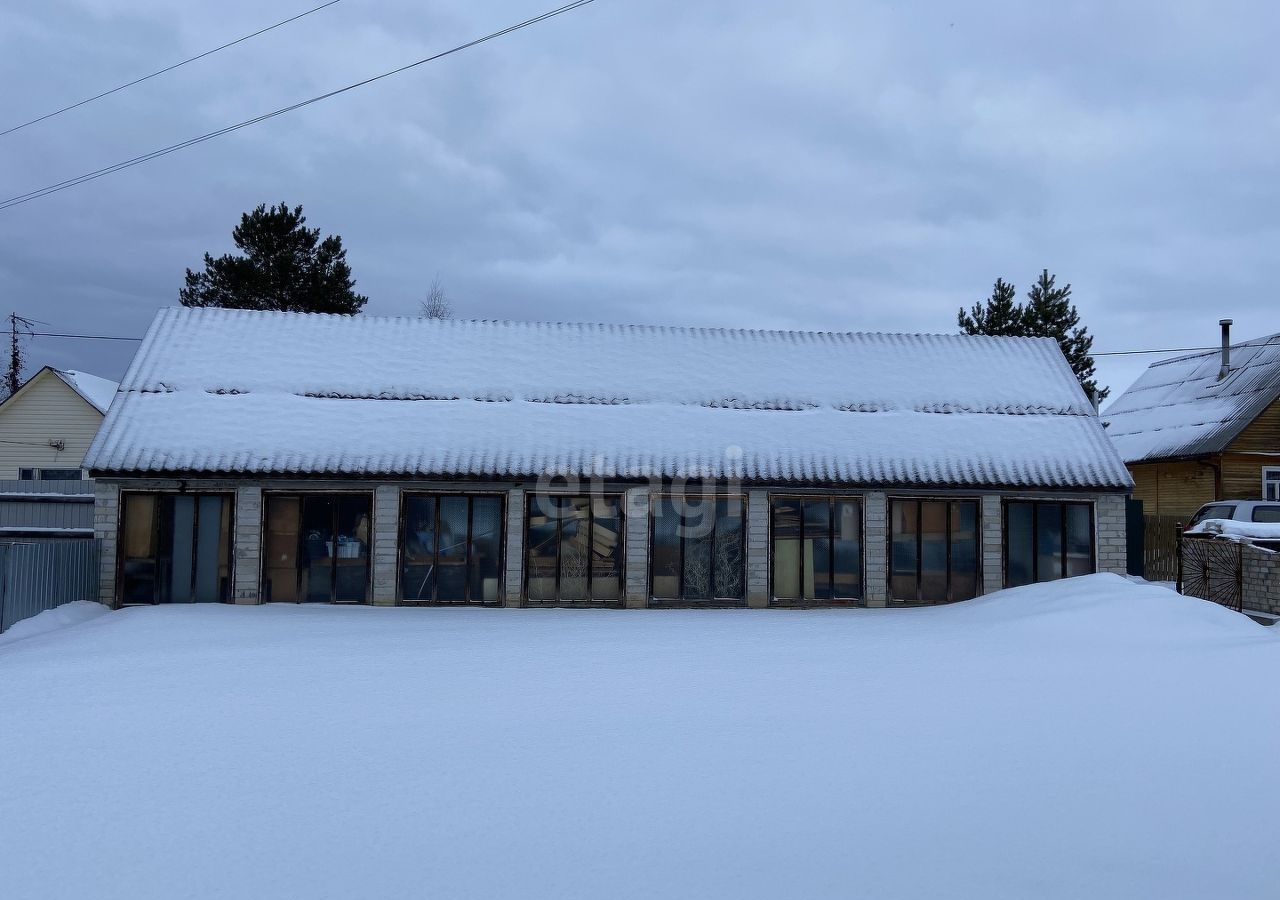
{"type": "Point", "coordinates": [1203, 427]}
{"type": "Point", "coordinates": [273, 456]}
{"type": "Point", "coordinates": [45, 429]}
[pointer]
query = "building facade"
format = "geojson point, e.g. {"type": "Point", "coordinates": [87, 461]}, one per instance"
{"type": "Point", "coordinates": [525, 464]}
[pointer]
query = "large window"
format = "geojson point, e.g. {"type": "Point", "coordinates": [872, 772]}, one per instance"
{"type": "Point", "coordinates": [1271, 483]}
{"type": "Point", "coordinates": [1047, 540]}
{"type": "Point", "coordinates": [698, 550]}
{"type": "Point", "coordinates": [933, 550]}
{"type": "Point", "coordinates": [574, 549]}
{"type": "Point", "coordinates": [175, 548]}
{"type": "Point", "coordinates": [451, 548]}
{"type": "Point", "coordinates": [817, 549]}
{"type": "Point", "coordinates": [317, 548]}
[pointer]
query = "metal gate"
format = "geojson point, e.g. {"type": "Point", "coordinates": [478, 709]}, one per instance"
{"type": "Point", "coordinates": [1212, 570]}
{"type": "Point", "coordinates": [39, 575]}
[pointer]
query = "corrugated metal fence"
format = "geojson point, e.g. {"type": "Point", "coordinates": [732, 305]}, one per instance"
{"type": "Point", "coordinates": [39, 575]}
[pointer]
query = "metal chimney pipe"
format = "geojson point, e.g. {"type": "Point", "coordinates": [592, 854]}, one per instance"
{"type": "Point", "coordinates": [1226, 348]}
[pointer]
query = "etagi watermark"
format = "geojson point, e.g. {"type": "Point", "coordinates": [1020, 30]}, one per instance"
{"type": "Point", "coordinates": [704, 492]}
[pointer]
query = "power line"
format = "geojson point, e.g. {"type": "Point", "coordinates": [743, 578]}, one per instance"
{"type": "Point", "coordinates": [239, 40]}
{"type": "Point", "coordinates": [86, 337]}
{"type": "Point", "coordinates": [172, 148]}
{"type": "Point", "coordinates": [1165, 350]}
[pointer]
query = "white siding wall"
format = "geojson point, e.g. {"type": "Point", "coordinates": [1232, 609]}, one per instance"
{"type": "Point", "coordinates": [46, 411]}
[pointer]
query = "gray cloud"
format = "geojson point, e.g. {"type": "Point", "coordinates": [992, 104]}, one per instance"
{"type": "Point", "coordinates": [811, 166]}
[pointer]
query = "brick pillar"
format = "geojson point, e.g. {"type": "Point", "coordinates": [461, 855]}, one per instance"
{"type": "Point", "coordinates": [636, 548]}
{"type": "Point", "coordinates": [757, 549]}
{"type": "Point", "coordinates": [875, 557]}
{"type": "Point", "coordinates": [386, 542]}
{"type": "Point", "coordinates": [1112, 535]}
{"type": "Point", "coordinates": [992, 543]}
{"type": "Point", "coordinates": [247, 542]}
{"type": "Point", "coordinates": [106, 528]}
{"type": "Point", "coordinates": [513, 554]}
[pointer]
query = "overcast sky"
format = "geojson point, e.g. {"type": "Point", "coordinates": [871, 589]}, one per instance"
{"type": "Point", "coordinates": [812, 164]}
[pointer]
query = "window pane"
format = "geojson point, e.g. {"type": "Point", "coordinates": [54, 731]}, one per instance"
{"type": "Point", "coordinates": [318, 549]}
{"type": "Point", "coordinates": [280, 569]}
{"type": "Point", "coordinates": [1266, 513]}
{"type": "Point", "coordinates": [786, 549]}
{"type": "Point", "coordinates": [666, 550]}
{"type": "Point", "coordinates": [933, 551]}
{"type": "Point", "coordinates": [418, 549]}
{"type": "Point", "coordinates": [903, 559]}
{"type": "Point", "coordinates": [728, 549]}
{"type": "Point", "coordinates": [699, 533]}
{"type": "Point", "coordinates": [1079, 539]}
{"type": "Point", "coordinates": [1019, 544]}
{"type": "Point", "coordinates": [486, 549]}
{"type": "Point", "coordinates": [1049, 542]}
{"type": "Point", "coordinates": [451, 555]}
{"type": "Point", "coordinates": [575, 549]}
{"type": "Point", "coordinates": [964, 550]}
{"type": "Point", "coordinates": [138, 573]}
{"type": "Point", "coordinates": [208, 585]}
{"type": "Point", "coordinates": [817, 549]}
{"type": "Point", "coordinates": [351, 548]}
{"type": "Point", "coordinates": [848, 550]}
{"type": "Point", "coordinates": [606, 547]}
{"type": "Point", "coordinates": [542, 548]}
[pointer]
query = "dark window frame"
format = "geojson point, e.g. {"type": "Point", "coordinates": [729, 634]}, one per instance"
{"type": "Point", "coordinates": [533, 497]}
{"type": "Point", "coordinates": [1036, 503]}
{"type": "Point", "coordinates": [333, 568]}
{"type": "Point", "coordinates": [978, 587]}
{"type": "Point", "coordinates": [405, 496]}
{"type": "Point", "coordinates": [228, 496]}
{"type": "Point", "coordinates": [713, 600]}
{"type": "Point", "coordinates": [832, 500]}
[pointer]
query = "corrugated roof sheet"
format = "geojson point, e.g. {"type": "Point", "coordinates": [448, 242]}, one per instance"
{"type": "Point", "coordinates": [1179, 408]}
{"type": "Point", "coordinates": [231, 391]}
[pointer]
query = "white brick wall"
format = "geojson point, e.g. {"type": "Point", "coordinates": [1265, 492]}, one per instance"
{"type": "Point", "coordinates": [636, 547]}
{"type": "Point", "coordinates": [758, 548]}
{"type": "Point", "coordinates": [1111, 534]}
{"type": "Point", "coordinates": [992, 517]}
{"type": "Point", "coordinates": [875, 557]}
{"type": "Point", "coordinates": [247, 545]}
{"type": "Point", "coordinates": [386, 542]}
{"type": "Point", "coordinates": [513, 554]}
{"type": "Point", "coordinates": [106, 527]}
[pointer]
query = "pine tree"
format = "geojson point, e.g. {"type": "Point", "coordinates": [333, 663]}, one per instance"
{"type": "Point", "coordinates": [1049, 312]}
{"type": "Point", "coordinates": [285, 266]}
{"type": "Point", "coordinates": [1000, 315]}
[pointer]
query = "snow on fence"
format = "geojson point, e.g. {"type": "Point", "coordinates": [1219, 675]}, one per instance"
{"type": "Point", "coordinates": [39, 575]}
{"type": "Point", "coordinates": [1239, 572]}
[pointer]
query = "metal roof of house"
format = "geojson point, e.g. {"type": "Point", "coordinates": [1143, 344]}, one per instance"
{"type": "Point", "coordinates": [1179, 408]}
{"type": "Point", "coordinates": [231, 391]}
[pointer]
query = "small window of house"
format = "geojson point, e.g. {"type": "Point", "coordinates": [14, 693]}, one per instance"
{"type": "Point", "coordinates": [817, 549]}
{"type": "Point", "coordinates": [26, 474]}
{"type": "Point", "coordinates": [317, 548]}
{"type": "Point", "coordinates": [451, 548]}
{"type": "Point", "coordinates": [573, 549]}
{"type": "Point", "coordinates": [698, 549]}
{"type": "Point", "coordinates": [933, 550]}
{"type": "Point", "coordinates": [61, 474]}
{"type": "Point", "coordinates": [175, 548]}
{"type": "Point", "coordinates": [1047, 540]}
{"type": "Point", "coordinates": [1271, 483]}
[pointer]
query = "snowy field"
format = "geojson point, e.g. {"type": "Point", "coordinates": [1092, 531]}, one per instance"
{"type": "Point", "coordinates": [1088, 739]}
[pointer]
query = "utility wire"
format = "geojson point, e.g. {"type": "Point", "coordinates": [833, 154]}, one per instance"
{"type": "Point", "coordinates": [172, 148]}
{"type": "Point", "coordinates": [239, 40]}
{"type": "Point", "coordinates": [86, 337]}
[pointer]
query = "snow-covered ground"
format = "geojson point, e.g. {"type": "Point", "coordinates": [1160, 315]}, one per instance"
{"type": "Point", "coordinates": [1092, 738]}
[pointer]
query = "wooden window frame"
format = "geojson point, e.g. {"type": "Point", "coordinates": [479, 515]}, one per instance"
{"type": "Point", "coordinates": [405, 496]}
{"type": "Point", "coordinates": [533, 497]}
{"type": "Point", "coordinates": [832, 500]}
{"type": "Point", "coordinates": [1267, 470]}
{"type": "Point", "coordinates": [228, 496]}
{"type": "Point", "coordinates": [893, 601]}
{"type": "Point", "coordinates": [1036, 503]}
{"type": "Point", "coordinates": [333, 569]}
{"type": "Point", "coordinates": [713, 600]}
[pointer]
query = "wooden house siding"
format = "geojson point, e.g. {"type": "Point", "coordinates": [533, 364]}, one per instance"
{"type": "Point", "coordinates": [46, 410]}
{"type": "Point", "coordinates": [1173, 488]}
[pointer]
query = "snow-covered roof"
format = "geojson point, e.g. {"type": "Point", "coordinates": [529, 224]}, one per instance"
{"type": "Point", "coordinates": [1179, 407]}
{"type": "Point", "coordinates": [231, 391]}
{"type": "Point", "coordinates": [97, 392]}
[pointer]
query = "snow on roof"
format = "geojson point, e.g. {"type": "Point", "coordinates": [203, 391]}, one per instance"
{"type": "Point", "coordinates": [1180, 408]}
{"type": "Point", "coordinates": [232, 391]}
{"type": "Point", "coordinates": [97, 392]}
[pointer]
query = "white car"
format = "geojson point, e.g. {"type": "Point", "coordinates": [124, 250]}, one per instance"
{"type": "Point", "coordinates": [1238, 510]}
